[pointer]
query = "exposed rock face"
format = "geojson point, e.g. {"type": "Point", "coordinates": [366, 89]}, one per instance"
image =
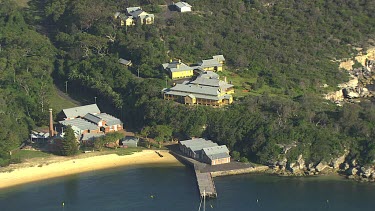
{"type": "Point", "coordinates": [360, 77]}
{"type": "Point", "coordinates": [335, 163]}
{"type": "Point", "coordinates": [335, 96]}
{"type": "Point", "coordinates": [352, 171]}
{"type": "Point", "coordinates": [300, 162]}
{"type": "Point", "coordinates": [366, 172]}
{"type": "Point", "coordinates": [321, 166]}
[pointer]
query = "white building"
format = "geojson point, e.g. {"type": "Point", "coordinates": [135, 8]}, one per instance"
{"type": "Point", "coordinates": [183, 6]}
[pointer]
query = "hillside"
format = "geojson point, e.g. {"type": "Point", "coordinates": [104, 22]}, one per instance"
{"type": "Point", "coordinates": [282, 51]}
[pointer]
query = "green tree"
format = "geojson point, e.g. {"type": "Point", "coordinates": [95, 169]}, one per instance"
{"type": "Point", "coordinates": [69, 143]}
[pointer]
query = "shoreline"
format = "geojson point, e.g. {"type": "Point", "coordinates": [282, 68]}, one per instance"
{"type": "Point", "coordinates": [19, 174]}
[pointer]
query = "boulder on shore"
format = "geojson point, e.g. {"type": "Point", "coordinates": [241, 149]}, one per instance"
{"type": "Point", "coordinates": [321, 166]}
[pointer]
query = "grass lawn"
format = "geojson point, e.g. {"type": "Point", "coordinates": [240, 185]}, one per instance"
{"type": "Point", "coordinates": [242, 85]}
{"type": "Point", "coordinates": [58, 102]}
{"type": "Point", "coordinates": [22, 155]}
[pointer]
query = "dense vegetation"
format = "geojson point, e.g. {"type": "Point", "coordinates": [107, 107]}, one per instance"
{"type": "Point", "coordinates": [281, 50]}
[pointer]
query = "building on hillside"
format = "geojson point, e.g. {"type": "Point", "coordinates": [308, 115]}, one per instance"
{"type": "Point", "coordinates": [89, 120]}
{"type": "Point", "coordinates": [209, 75]}
{"type": "Point", "coordinates": [176, 69]}
{"type": "Point", "coordinates": [108, 123]}
{"type": "Point", "coordinates": [125, 62]}
{"type": "Point", "coordinates": [183, 6]}
{"type": "Point", "coordinates": [214, 64]}
{"type": "Point", "coordinates": [203, 91]}
{"type": "Point", "coordinates": [81, 126]}
{"type": "Point", "coordinates": [39, 136]}
{"type": "Point", "coordinates": [195, 94]}
{"type": "Point", "coordinates": [223, 86]}
{"type": "Point", "coordinates": [133, 16]}
{"type": "Point", "coordinates": [77, 112]}
{"type": "Point", "coordinates": [205, 151]}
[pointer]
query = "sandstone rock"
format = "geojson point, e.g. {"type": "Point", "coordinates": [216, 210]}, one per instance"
{"type": "Point", "coordinates": [310, 167]}
{"type": "Point", "coordinates": [301, 162]}
{"type": "Point", "coordinates": [352, 171]}
{"type": "Point", "coordinates": [321, 166]}
{"type": "Point", "coordinates": [367, 172]}
{"type": "Point", "coordinates": [338, 161]}
{"type": "Point", "coordinates": [345, 166]}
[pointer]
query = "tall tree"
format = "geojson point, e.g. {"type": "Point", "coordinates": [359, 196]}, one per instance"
{"type": "Point", "coordinates": [69, 144]}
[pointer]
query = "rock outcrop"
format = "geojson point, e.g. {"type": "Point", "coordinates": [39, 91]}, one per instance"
{"type": "Point", "coordinates": [360, 78]}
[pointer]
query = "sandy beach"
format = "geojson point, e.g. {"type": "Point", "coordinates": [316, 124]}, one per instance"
{"type": "Point", "coordinates": [21, 174]}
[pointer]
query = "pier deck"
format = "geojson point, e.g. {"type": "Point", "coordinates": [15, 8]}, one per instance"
{"type": "Point", "coordinates": [206, 184]}
{"type": "Point", "coordinates": [205, 172]}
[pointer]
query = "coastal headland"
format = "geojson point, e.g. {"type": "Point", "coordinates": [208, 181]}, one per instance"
{"type": "Point", "coordinates": [39, 170]}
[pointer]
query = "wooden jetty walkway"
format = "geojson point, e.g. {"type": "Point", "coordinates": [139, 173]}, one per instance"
{"type": "Point", "coordinates": [205, 181]}
{"type": "Point", "coordinates": [204, 172]}
{"type": "Point", "coordinates": [206, 184]}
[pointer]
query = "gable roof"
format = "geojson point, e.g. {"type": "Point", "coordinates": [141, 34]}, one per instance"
{"type": "Point", "coordinates": [215, 150]}
{"type": "Point", "coordinates": [219, 58]}
{"type": "Point", "coordinates": [124, 61]}
{"type": "Point", "coordinates": [132, 9]}
{"type": "Point", "coordinates": [182, 4]}
{"type": "Point", "coordinates": [80, 124]}
{"type": "Point", "coordinates": [210, 63]}
{"type": "Point", "coordinates": [80, 111]}
{"type": "Point", "coordinates": [109, 119]}
{"type": "Point", "coordinates": [92, 118]}
{"type": "Point", "coordinates": [197, 144]}
{"type": "Point", "coordinates": [195, 89]}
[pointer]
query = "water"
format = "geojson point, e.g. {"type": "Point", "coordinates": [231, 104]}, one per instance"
{"type": "Point", "coordinates": [174, 188]}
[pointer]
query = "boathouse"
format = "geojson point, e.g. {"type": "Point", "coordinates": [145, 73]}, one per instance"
{"type": "Point", "coordinates": [205, 150]}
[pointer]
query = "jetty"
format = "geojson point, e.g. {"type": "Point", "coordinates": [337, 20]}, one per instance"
{"type": "Point", "coordinates": [205, 173]}
{"type": "Point", "coordinates": [206, 184]}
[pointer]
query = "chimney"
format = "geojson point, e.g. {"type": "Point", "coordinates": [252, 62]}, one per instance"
{"type": "Point", "coordinates": [51, 132]}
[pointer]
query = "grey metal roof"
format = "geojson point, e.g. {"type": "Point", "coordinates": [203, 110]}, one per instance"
{"type": "Point", "coordinates": [210, 63]}
{"type": "Point", "coordinates": [215, 150]}
{"type": "Point", "coordinates": [109, 119]}
{"type": "Point", "coordinates": [218, 156]}
{"type": "Point", "coordinates": [132, 9]}
{"type": "Point", "coordinates": [212, 83]}
{"type": "Point", "coordinates": [124, 61]}
{"type": "Point", "coordinates": [92, 118]}
{"type": "Point", "coordinates": [220, 58]}
{"type": "Point", "coordinates": [206, 82]}
{"type": "Point", "coordinates": [182, 4]}
{"type": "Point", "coordinates": [200, 96]}
{"type": "Point", "coordinates": [80, 111]}
{"type": "Point", "coordinates": [209, 74]}
{"type": "Point", "coordinates": [176, 66]}
{"type": "Point", "coordinates": [198, 144]}
{"type": "Point", "coordinates": [80, 124]}
{"type": "Point", "coordinates": [129, 139]}
{"type": "Point", "coordinates": [196, 89]}
{"type": "Point", "coordinates": [116, 14]}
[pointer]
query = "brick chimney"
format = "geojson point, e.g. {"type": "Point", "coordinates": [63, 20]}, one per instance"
{"type": "Point", "coordinates": [51, 132]}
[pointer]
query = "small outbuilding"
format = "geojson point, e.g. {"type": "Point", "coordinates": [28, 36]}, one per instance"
{"type": "Point", "coordinates": [183, 6]}
{"type": "Point", "coordinates": [125, 62]}
{"type": "Point", "coordinates": [129, 141]}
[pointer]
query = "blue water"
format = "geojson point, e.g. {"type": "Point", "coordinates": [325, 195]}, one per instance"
{"type": "Point", "coordinates": [174, 188]}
